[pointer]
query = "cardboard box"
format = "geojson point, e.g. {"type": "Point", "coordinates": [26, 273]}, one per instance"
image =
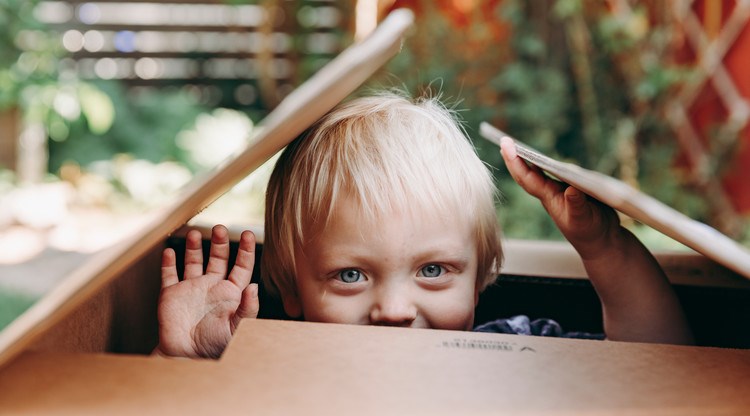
{"type": "Point", "coordinates": [58, 357]}
{"type": "Point", "coordinates": [285, 367]}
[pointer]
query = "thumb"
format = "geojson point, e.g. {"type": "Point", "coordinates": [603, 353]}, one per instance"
{"type": "Point", "coordinates": [249, 305]}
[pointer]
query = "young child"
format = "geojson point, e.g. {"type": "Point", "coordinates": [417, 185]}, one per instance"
{"type": "Point", "coordinates": [382, 214]}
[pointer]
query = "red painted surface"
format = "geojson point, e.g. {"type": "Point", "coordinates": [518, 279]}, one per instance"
{"type": "Point", "coordinates": [737, 180]}
{"type": "Point", "coordinates": [463, 13]}
{"type": "Point", "coordinates": [708, 110]}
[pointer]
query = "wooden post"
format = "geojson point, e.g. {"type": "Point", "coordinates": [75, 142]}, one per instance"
{"type": "Point", "coordinates": [9, 132]}
{"type": "Point", "coordinates": [23, 148]}
{"type": "Point", "coordinates": [32, 156]}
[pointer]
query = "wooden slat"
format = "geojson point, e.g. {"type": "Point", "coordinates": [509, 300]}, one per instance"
{"type": "Point", "coordinates": [218, 18]}
{"type": "Point", "coordinates": [9, 131]}
{"type": "Point", "coordinates": [183, 55]}
{"type": "Point", "coordinates": [168, 28]}
{"type": "Point", "coordinates": [300, 109]}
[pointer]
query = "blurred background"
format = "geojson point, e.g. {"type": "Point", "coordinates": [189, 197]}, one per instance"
{"type": "Point", "coordinates": [108, 108]}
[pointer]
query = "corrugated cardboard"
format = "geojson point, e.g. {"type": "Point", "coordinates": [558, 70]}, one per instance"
{"type": "Point", "coordinates": [283, 367]}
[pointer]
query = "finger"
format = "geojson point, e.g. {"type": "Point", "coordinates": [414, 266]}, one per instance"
{"type": "Point", "coordinates": [578, 209]}
{"type": "Point", "coordinates": [168, 268]}
{"type": "Point", "coordinates": [576, 202]}
{"type": "Point", "coordinates": [249, 305]}
{"type": "Point", "coordinates": [581, 206]}
{"type": "Point", "coordinates": [219, 254]}
{"type": "Point", "coordinates": [508, 148]}
{"type": "Point", "coordinates": [242, 271]}
{"type": "Point", "coordinates": [530, 178]}
{"type": "Point", "coordinates": [193, 254]}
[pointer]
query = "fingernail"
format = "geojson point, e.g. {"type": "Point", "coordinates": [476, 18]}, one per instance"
{"type": "Point", "coordinates": [254, 289]}
{"type": "Point", "coordinates": [508, 147]}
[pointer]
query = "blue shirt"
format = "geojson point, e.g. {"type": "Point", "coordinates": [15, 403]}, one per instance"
{"type": "Point", "coordinates": [522, 325]}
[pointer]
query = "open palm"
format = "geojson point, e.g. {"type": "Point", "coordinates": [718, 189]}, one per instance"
{"type": "Point", "coordinates": [198, 315]}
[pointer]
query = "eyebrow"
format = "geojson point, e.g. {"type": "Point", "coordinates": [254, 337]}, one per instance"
{"type": "Point", "coordinates": [443, 256]}
{"type": "Point", "coordinates": [452, 254]}
{"type": "Point", "coordinates": [438, 255]}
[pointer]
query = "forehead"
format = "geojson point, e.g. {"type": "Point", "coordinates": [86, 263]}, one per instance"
{"type": "Point", "coordinates": [352, 220]}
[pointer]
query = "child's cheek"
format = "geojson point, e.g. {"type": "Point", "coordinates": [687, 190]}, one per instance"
{"type": "Point", "coordinates": [463, 321]}
{"type": "Point", "coordinates": [451, 314]}
{"type": "Point", "coordinates": [331, 308]}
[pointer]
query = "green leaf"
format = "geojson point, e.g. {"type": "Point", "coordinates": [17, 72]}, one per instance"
{"type": "Point", "coordinates": [97, 108]}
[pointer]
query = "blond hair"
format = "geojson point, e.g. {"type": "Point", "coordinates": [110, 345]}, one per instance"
{"type": "Point", "coordinates": [391, 154]}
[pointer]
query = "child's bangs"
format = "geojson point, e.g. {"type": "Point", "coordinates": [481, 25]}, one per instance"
{"type": "Point", "coordinates": [400, 159]}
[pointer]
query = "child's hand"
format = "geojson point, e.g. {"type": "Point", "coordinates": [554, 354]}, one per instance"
{"type": "Point", "coordinates": [589, 225]}
{"type": "Point", "coordinates": [198, 315]}
{"type": "Point", "coordinates": [638, 302]}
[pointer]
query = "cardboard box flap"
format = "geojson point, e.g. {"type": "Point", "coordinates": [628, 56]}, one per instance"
{"type": "Point", "coordinates": [624, 198]}
{"type": "Point", "coordinates": [296, 112]}
{"type": "Point", "coordinates": [286, 367]}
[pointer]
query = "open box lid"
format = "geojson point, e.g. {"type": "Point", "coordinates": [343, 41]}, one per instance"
{"type": "Point", "coordinates": [287, 367]}
{"type": "Point", "coordinates": [639, 206]}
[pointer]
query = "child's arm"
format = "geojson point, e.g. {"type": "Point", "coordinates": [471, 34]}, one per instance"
{"type": "Point", "coordinates": [638, 303]}
{"type": "Point", "coordinates": [198, 315]}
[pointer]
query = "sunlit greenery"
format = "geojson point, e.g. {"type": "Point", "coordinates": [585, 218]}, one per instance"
{"type": "Point", "coordinates": [27, 53]}
{"type": "Point", "coordinates": [144, 125]}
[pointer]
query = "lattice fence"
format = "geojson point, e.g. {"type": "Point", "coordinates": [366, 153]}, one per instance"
{"type": "Point", "coordinates": [712, 30]}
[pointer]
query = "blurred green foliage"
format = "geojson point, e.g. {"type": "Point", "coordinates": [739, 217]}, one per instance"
{"type": "Point", "coordinates": [85, 121]}
{"type": "Point", "coordinates": [31, 78]}
{"type": "Point", "coordinates": [28, 55]}
{"type": "Point", "coordinates": [144, 126]}
{"type": "Point", "coordinates": [569, 77]}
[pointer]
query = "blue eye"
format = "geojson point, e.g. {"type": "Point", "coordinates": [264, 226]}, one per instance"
{"type": "Point", "coordinates": [350, 276]}
{"type": "Point", "coordinates": [431, 270]}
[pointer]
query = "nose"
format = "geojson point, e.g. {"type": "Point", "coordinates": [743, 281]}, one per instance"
{"type": "Point", "coordinates": [393, 307]}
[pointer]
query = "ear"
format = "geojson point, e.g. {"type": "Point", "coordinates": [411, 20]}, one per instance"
{"type": "Point", "coordinates": [292, 305]}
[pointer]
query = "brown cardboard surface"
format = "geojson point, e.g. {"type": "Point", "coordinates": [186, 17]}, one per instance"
{"type": "Point", "coordinates": [282, 367]}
